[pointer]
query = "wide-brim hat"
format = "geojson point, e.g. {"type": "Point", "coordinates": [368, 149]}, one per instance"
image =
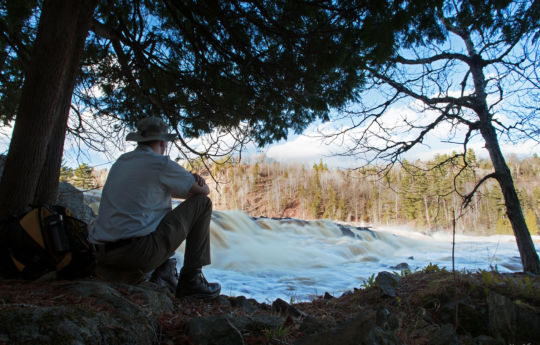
{"type": "Point", "coordinates": [150, 129]}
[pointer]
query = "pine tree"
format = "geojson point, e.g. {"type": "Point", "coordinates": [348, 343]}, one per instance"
{"type": "Point", "coordinates": [66, 174]}
{"type": "Point", "coordinates": [83, 178]}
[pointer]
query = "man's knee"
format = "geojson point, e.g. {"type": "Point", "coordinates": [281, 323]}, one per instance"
{"type": "Point", "coordinates": [204, 200]}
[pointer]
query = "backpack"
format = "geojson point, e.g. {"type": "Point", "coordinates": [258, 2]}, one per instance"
{"type": "Point", "coordinates": [43, 240]}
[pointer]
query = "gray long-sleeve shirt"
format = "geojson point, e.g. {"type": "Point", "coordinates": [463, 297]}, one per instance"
{"type": "Point", "coordinates": [137, 195]}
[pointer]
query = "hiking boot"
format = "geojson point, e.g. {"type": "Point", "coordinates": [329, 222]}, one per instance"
{"type": "Point", "coordinates": [194, 284]}
{"type": "Point", "coordinates": [166, 275]}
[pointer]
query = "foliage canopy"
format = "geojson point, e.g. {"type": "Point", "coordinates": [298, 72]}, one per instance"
{"type": "Point", "coordinates": [265, 67]}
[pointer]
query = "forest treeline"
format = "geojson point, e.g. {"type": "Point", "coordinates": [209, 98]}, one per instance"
{"type": "Point", "coordinates": [421, 194]}
{"type": "Point", "coordinates": [424, 195]}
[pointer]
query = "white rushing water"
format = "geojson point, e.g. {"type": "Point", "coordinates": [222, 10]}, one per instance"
{"type": "Point", "coordinates": [295, 260]}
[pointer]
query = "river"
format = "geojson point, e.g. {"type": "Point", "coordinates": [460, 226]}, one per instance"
{"type": "Point", "coordinates": [296, 260]}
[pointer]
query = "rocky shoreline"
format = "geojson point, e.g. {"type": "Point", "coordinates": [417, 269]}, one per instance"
{"type": "Point", "coordinates": [431, 306]}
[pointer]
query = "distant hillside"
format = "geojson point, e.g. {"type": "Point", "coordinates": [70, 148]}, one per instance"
{"type": "Point", "coordinates": [422, 198]}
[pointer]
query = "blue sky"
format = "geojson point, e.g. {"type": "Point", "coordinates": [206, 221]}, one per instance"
{"type": "Point", "coordinates": [307, 148]}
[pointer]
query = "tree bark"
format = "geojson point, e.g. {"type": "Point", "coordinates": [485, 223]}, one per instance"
{"type": "Point", "coordinates": [62, 30]}
{"type": "Point", "coordinates": [47, 187]}
{"type": "Point", "coordinates": [529, 257]}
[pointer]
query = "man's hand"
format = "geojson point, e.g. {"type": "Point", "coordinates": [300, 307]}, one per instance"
{"type": "Point", "coordinates": [199, 186]}
{"type": "Point", "coordinates": [200, 181]}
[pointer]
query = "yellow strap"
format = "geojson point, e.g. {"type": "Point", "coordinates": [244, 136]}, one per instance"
{"type": "Point", "coordinates": [30, 224]}
{"type": "Point", "coordinates": [20, 266]}
{"type": "Point", "coordinates": [64, 262]}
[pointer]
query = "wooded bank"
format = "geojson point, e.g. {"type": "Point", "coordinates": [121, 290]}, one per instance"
{"type": "Point", "coordinates": [425, 198]}
{"type": "Point", "coordinates": [422, 198]}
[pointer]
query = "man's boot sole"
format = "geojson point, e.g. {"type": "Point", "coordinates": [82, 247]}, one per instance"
{"type": "Point", "coordinates": [201, 295]}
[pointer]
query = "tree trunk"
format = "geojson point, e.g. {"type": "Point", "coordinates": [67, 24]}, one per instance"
{"type": "Point", "coordinates": [47, 188]}
{"type": "Point", "coordinates": [529, 257]}
{"type": "Point", "coordinates": [62, 30]}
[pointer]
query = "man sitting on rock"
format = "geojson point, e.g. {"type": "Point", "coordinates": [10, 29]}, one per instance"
{"type": "Point", "coordinates": [137, 231]}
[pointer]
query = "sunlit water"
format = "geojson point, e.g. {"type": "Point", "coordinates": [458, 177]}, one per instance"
{"type": "Point", "coordinates": [296, 260]}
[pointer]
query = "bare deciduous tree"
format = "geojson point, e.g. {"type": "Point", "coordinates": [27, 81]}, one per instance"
{"type": "Point", "coordinates": [478, 77]}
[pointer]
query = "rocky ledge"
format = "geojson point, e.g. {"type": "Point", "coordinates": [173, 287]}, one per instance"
{"type": "Point", "coordinates": [431, 306]}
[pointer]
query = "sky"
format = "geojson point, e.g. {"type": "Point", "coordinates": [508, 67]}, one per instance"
{"type": "Point", "coordinates": [307, 148]}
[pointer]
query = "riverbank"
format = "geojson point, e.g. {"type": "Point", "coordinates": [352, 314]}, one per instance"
{"type": "Point", "coordinates": [431, 306]}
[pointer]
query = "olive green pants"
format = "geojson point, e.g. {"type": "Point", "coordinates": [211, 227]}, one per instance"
{"type": "Point", "coordinates": [132, 263]}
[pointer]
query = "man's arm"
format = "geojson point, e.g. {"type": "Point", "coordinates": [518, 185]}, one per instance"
{"type": "Point", "coordinates": [199, 186]}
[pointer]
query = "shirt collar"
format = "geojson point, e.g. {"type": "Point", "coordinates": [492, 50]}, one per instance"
{"type": "Point", "coordinates": [144, 148]}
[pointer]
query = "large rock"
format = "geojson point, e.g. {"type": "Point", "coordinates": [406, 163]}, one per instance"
{"type": "Point", "coordinates": [214, 330]}
{"type": "Point", "coordinates": [73, 199]}
{"type": "Point", "coordinates": [227, 330]}
{"type": "Point", "coordinates": [379, 336]}
{"type": "Point", "coordinates": [85, 312]}
{"type": "Point", "coordinates": [387, 282]}
{"type": "Point", "coordinates": [68, 196]}
{"type": "Point", "coordinates": [361, 330]}
{"type": "Point", "coordinates": [155, 299]}
{"type": "Point", "coordinates": [514, 322]}
{"type": "Point", "coordinates": [249, 305]}
{"type": "Point", "coordinates": [281, 307]}
{"type": "Point", "coordinates": [446, 335]}
{"type": "Point", "coordinates": [472, 317]}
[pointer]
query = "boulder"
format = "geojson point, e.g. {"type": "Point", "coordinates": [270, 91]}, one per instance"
{"type": "Point", "coordinates": [515, 322]}
{"type": "Point", "coordinates": [360, 330]}
{"type": "Point", "coordinates": [73, 199]}
{"type": "Point", "coordinates": [85, 312]}
{"type": "Point", "coordinates": [387, 282]}
{"type": "Point", "coordinates": [471, 317]}
{"type": "Point", "coordinates": [386, 320]}
{"type": "Point", "coordinates": [403, 267]}
{"type": "Point", "coordinates": [155, 299]}
{"type": "Point", "coordinates": [378, 336]}
{"type": "Point", "coordinates": [487, 340]}
{"type": "Point", "coordinates": [249, 305]}
{"type": "Point", "coordinates": [227, 329]}
{"type": "Point", "coordinates": [68, 196]}
{"type": "Point", "coordinates": [214, 330]}
{"type": "Point", "coordinates": [446, 335]}
{"type": "Point", "coordinates": [281, 307]}
{"type": "Point", "coordinates": [346, 293]}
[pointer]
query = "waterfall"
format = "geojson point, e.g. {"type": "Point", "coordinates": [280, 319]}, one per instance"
{"type": "Point", "coordinates": [294, 259]}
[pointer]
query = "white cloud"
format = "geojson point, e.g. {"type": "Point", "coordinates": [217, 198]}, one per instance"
{"type": "Point", "coordinates": [303, 148]}
{"type": "Point", "coordinates": [308, 148]}
{"type": "Point", "coordinates": [443, 139]}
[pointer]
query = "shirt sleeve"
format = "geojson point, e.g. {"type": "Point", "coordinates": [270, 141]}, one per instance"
{"type": "Point", "coordinates": [175, 178]}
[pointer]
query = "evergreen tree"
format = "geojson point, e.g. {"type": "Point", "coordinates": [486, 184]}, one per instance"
{"type": "Point", "coordinates": [83, 177]}
{"type": "Point", "coordinates": [66, 174]}
{"type": "Point", "coordinates": [252, 69]}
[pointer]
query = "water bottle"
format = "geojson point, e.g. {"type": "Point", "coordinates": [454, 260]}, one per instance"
{"type": "Point", "coordinates": [56, 231]}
